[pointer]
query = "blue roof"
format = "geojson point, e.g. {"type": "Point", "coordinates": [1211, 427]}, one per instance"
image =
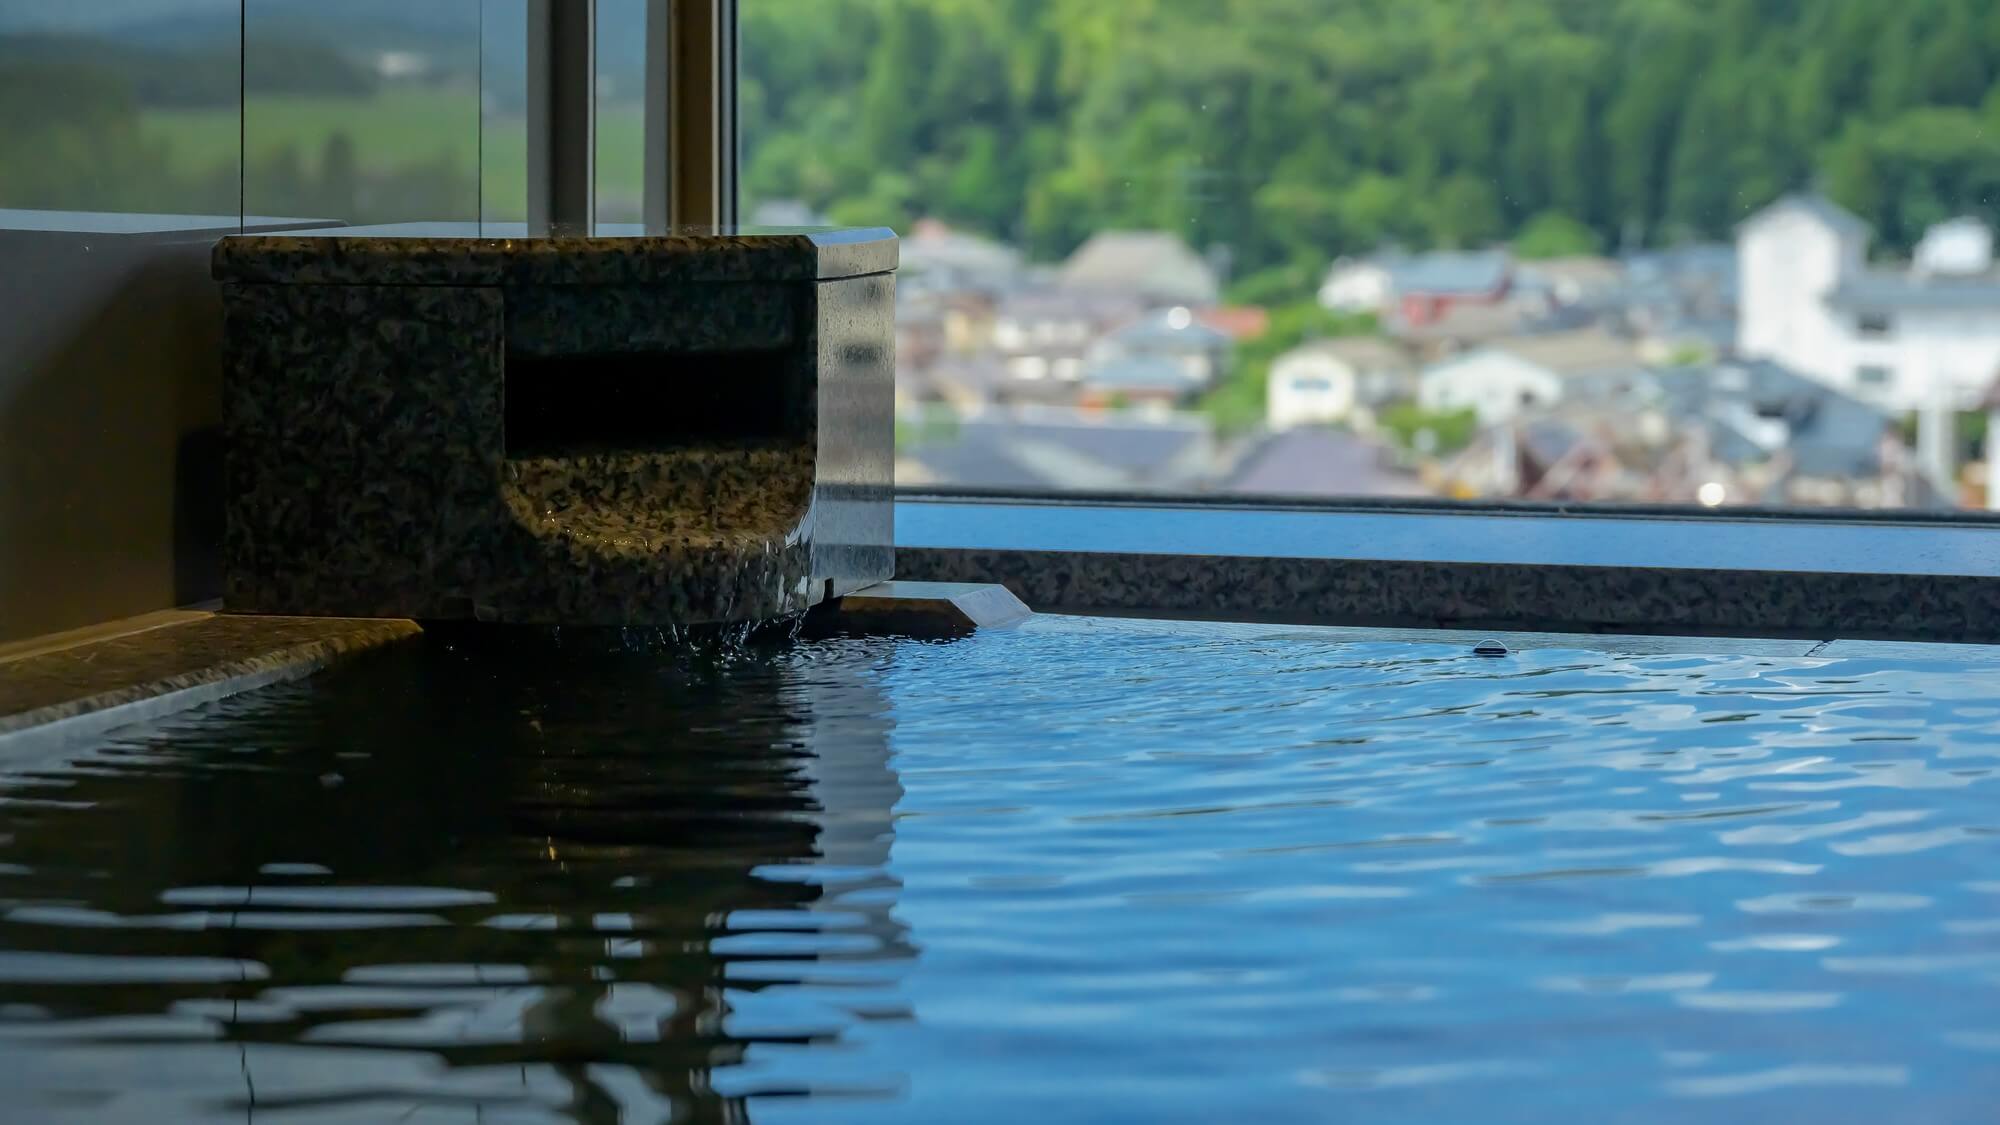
{"type": "Point", "coordinates": [1139, 373]}
{"type": "Point", "coordinates": [1889, 291]}
{"type": "Point", "coordinates": [1158, 328]}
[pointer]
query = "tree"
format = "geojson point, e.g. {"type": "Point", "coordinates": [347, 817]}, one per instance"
{"type": "Point", "coordinates": [1552, 234]}
{"type": "Point", "coordinates": [1295, 130]}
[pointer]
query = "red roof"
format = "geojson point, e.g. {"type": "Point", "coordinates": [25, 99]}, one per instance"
{"type": "Point", "coordinates": [1238, 322]}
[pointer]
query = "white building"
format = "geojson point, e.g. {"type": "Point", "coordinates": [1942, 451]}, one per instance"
{"type": "Point", "coordinates": [1495, 384]}
{"type": "Point", "coordinates": [1531, 373]}
{"type": "Point", "coordinates": [1357, 285]}
{"type": "Point", "coordinates": [1925, 337]}
{"type": "Point", "coordinates": [1326, 381]}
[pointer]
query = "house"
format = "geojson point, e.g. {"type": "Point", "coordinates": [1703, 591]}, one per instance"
{"type": "Point", "coordinates": [1696, 281]}
{"type": "Point", "coordinates": [1174, 336]}
{"type": "Point", "coordinates": [1461, 328]}
{"type": "Point", "coordinates": [1325, 381]}
{"type": "Point", "coordinates": [1321, 462]}
{"type": "Point", "coordinates": [1045, 335]}
{"type": "Point", "coordinates": [1921, 337]}
{"type": "Point", "coordinates": [920, 329]}
{"type": "Point", "coordinates": [967, 382]}
{"type": "Point", "coordinates": [1049, 449]}
{"type": "Point", "coordinates": [936, 258]}
{"type": "Point", "coordinates": [1814, 444]}
{"type": "Point", "coordinates": [1153, 383]}
{"type": "Point", "coordinates": [1357, 285]}
{"type": "Point", "coordinates": [1417, 289]}
{"type": "Point", "coordinates": [1527, 373]}
{"type": "Point", "coordinates": [1154, 267]}
{"type": "Point", "coordinates": [1238, 322]}
{"type": "Point", "coordinates": [1429, 286]}
{"type": "Point", "coordinates": [1575, 280]}
{"type": "Point", "coordinates": [1562, 456]}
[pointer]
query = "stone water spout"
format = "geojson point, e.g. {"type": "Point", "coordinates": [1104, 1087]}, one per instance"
{"type": "Point", "coordinates": [623, 429]}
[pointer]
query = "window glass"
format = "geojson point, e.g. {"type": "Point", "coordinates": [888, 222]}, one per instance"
{"type": "Point", "coordinates": [1541, 227]}
{"type": "Point", "coordinates": [118, 167]}
{"type": "Point", "coordinates": [362, 113]}
{"type": "Point", "coordinates": [123, 108]}
{"type": "Point", "coordinates": [621, 110]}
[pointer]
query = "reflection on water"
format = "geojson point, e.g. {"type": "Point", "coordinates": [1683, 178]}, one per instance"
{"type": "Point", "coordinates": [1078, 872]}
{"type": "Point", "coordinates": [489, 885]}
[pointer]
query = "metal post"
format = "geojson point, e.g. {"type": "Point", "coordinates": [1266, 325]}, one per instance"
{"type": "Point", "coordinates": [690, 113]}
{"type": "Point", "coordinates": [656, 190]}
{"type": "Point", "coordinates": [562, 118]}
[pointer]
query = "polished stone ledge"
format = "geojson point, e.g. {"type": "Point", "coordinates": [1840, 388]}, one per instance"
{"type": "Point", "coordinates": [1767, 577]}
{"type": "Point", "coordinates": [920, 609]}
{"type": "Point", "coordinates": [65, 690]}
{"type": "Point", "coordinates": [486, 254]}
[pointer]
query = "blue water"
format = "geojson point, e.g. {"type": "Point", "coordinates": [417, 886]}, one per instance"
{"type": "Point", "coordinates": [1084, 871]}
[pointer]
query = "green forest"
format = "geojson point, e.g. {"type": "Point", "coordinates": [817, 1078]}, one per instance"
{"type": "Point", "coordinates": [1290, 131]}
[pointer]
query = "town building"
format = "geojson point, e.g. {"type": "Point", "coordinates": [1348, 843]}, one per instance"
{"type": "Point", "coordinates": [1417, 289]}
{"type": "Point", "coordinates": [1173, 336]}
{"type": "Point", "coordinates": [1527, 373]}
{"type": "Point", "coordinates": [1328, 381]}
{"type": "Point", "coordinates": [1154, 266]}
{"type": "Point", "coordinates": [1921, 336]}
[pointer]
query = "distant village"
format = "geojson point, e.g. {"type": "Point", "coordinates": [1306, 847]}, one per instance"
{"type": "Point", "coordinates": [1791, 368]}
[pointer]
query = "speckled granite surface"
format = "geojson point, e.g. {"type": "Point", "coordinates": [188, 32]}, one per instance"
{"type": "Point", "coordinates": [367, 407]}
{"type": "Point", "coordinates": [1543, 597]}
{"type": "Point", "coordinates": [211, 650]}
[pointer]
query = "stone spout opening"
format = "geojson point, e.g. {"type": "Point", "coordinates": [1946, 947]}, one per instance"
{"type": "Point", "coordinates": [562, 405]}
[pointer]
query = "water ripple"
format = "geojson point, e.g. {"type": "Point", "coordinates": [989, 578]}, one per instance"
{"type": "Point", "coordinates": [1079, 869]}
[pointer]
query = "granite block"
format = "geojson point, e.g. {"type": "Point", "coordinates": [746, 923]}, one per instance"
{"type": "Point", "coordinates": [676, 431]}
{"type": "Point", "coordinates": [1525, 596]}
{"type": "Point", "coordinates": [463, 254]}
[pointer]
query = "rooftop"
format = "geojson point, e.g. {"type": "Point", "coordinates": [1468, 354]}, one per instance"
{"type": "Point", "coordinates": [1448, 273]}
{"type": "Point", "coordinates": [1815, 205]}
{"type": "Point", "coordinates": [1155, 265]}
{"type": "Point", "coordinates": [1176, 327]}
{"type": "Point", "coordinates": [1311, 461]}
{"type": "Point", "coordinates": [1139, 373]}
{"type": "Point", "coordinates": [1757, 409]}
{"type": "Point", "coordinates": [1366, 353]}
{"type": "Point", "coordinates": [1040, 449]}
{"type": "Point", "coordinates": [1883, 289]}
{"type": "Point", "coordinates": [1581, 351]}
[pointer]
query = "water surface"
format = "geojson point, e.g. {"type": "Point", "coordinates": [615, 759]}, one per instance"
{"type": "Point", "coordinates": [1082, 871]}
